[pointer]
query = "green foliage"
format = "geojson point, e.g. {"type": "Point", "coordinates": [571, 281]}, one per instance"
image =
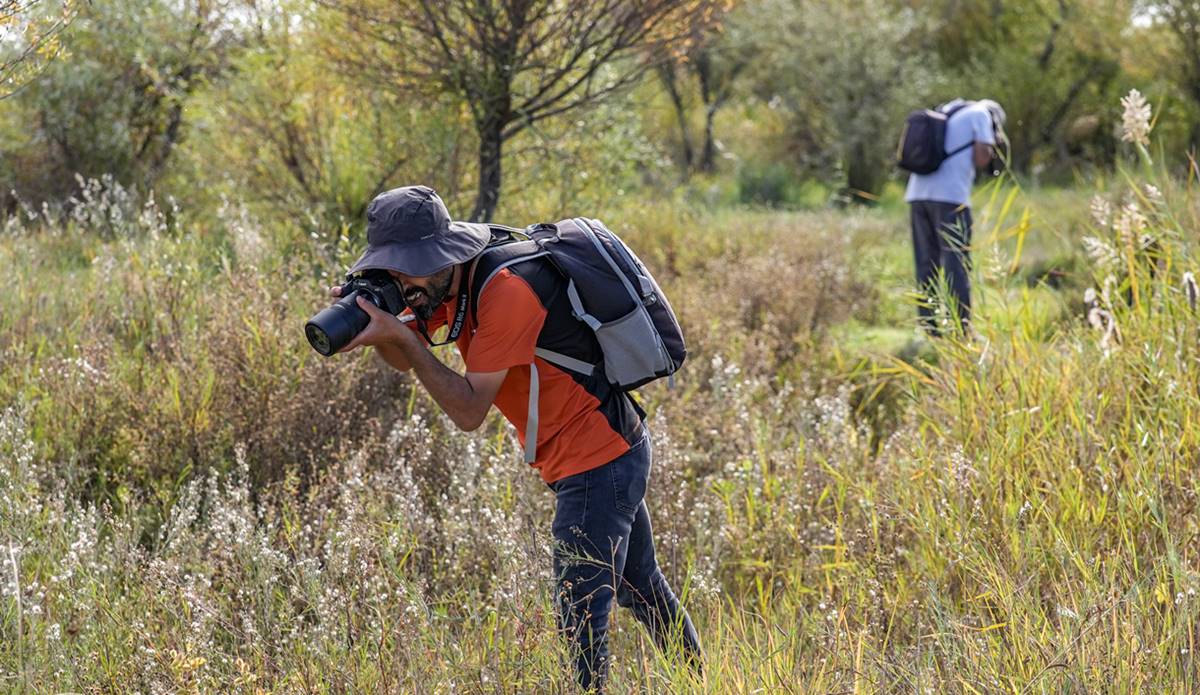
{"type": "Point", "coordinates": [115, 103]}
{"type": "Point", "coordinates": [847, 74]}
{"type": "Point", "coordinates": [306, 144]}
{"type": "Point", "coordinates": [1055, 67]}
{"type": "Point", "coordinates": [773, 184]}
{"type": "Point", "coordinates": [29, 38]}
{"type": "Point", "coordinates": [512, 67]}
{"type": "Point", "coordinates": [296, 107]}
{"type": "Point", "coordinates": [599, 164]}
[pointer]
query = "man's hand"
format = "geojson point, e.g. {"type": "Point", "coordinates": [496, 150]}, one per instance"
{"type": "Point", "coordinates": [466, 399]}
{"type": "Point", "coordinates": [384, 329]}
{"type": "Point", "coordinates": [983, 155]}
{"type": "Point", "coordinates": [391, 353]}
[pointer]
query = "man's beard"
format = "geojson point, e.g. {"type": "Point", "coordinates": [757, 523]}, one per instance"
{"type": "Point", "coordinates": [439, 289]}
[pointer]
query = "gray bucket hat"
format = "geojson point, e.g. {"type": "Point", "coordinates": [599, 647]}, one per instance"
{"type": "Point", "coordinates": [410, 231]}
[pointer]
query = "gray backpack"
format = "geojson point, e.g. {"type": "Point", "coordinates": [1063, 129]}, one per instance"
{"type": "Point", "coordinates": [609, 290]}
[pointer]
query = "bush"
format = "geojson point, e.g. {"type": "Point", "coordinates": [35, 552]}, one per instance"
{"type": "Point", "coordinates": [772, 184]}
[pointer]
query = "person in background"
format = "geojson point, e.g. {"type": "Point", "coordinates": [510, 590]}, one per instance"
{"type": "Point", "coordinates": [940, 207]}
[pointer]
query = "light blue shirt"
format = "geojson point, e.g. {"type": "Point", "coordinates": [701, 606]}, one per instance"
{"type": "Point", "coordinates": [951, 183]}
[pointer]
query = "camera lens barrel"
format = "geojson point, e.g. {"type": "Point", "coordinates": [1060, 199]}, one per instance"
{"type": "Point", "coordinates": [336, 325]}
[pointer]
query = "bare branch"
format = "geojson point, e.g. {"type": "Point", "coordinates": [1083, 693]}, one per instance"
{"type": "Point", "coordinates": [36, 46]}
{"type": "Point", "coordinates": [515, 62]}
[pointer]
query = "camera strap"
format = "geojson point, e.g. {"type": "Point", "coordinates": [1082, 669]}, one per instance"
{"type": "Point", "coordinates": [456, 327]}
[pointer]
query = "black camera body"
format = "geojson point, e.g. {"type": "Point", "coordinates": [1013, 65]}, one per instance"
{"type": "Point", "coordinates": [1000, 154]}
{"type": "Point", "coordinates": [336, 325]}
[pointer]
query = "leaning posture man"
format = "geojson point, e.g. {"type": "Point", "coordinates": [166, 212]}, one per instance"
{"type": "Point", "coordinates": [591, 445]}
{"type": "Point", "coordinates": [940, 206]}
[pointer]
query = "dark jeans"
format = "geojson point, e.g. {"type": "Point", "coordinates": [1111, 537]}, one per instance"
{"type": "Point", "coordinates": [941, 243]}
{"type": "Point", "coordinates": [603, 546]}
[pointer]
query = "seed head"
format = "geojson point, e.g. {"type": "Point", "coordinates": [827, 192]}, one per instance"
{"type": "Point", "coordinates": [1190, 290]}
{"type": "Point", "coordinates": [1135, 121]}
{"type": "Point", "coordinates": [1102, 211]}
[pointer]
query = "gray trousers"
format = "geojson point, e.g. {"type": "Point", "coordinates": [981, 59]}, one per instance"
{"type": "Point", "coordinates": [941, 234]}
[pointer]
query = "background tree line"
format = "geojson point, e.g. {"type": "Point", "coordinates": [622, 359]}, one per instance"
{"type": "Point", "coordinates": [306, 108]}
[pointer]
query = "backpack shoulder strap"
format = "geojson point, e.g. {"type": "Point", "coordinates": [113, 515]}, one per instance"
{"type": "Point", "coordinates": [956, 150]}
{"type": "Point", "coordinates": [497, 256]}
{"type": "Point", "coordinates": [509, 247]}
{"type": "Point", "coordinates": [957, 107]}
{"type": "Point", "coordinates": [949, 115]}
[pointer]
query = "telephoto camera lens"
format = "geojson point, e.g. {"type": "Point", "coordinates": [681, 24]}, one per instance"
{"type": "Point", "coordinates": [336, 325]}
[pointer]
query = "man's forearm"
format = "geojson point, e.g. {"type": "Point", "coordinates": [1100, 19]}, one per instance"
{"type": "Point", "coordinates": [452, 392]}
{"type": "Point", "coordinates": [394, 357]}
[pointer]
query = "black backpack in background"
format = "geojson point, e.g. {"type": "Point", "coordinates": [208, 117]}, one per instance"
{"type": "Point", "coordinates": [922, 147]}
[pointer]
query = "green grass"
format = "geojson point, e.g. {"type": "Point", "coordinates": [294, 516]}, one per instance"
{"type": "Point", "coordinates": [191, 500]}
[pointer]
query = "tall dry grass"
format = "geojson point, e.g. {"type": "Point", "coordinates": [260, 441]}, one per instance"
{"type": "Point", "coordinates": [191, 500]}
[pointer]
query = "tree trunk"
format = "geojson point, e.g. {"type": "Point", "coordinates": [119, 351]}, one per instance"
{"type": "Point", "coordinates": [708, 157]}
{"type": "Point", "coordinates": [1193, 89]}
{"type": "Point", "coordinates": [863, 176]}
{"type": "Point", "coordinates": [491, 145]}
{"type": "Point", "coordinates": [666, 73]}
{"type": "Point", "coordinates": [703, 67]}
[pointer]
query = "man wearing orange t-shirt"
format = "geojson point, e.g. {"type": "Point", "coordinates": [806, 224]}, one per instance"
{"type": "Point", "coordinates": [591, 446]}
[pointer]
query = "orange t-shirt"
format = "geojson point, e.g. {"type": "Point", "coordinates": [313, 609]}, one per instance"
{"type": "Point", "coordinates": [573, 435]}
